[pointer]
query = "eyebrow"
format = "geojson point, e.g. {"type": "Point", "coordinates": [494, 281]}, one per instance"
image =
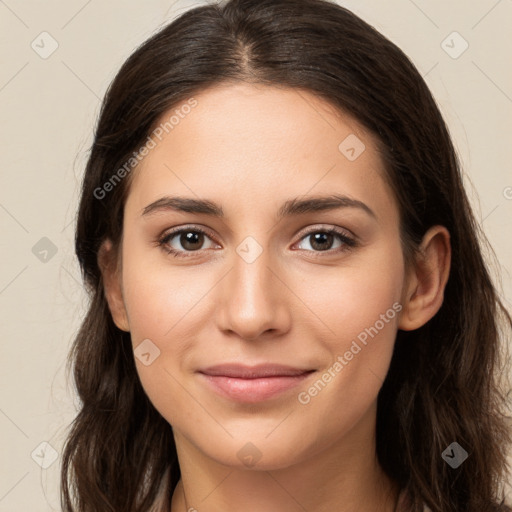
{"type": "Point", "coordinates": [291, 207]}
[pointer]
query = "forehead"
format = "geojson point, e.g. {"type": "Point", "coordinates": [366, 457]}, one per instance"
{"type": "Point", "coordinates": [260, 141]}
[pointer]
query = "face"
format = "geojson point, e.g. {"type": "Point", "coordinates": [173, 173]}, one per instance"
{"type": "Point", "coordinates": [302, 301]}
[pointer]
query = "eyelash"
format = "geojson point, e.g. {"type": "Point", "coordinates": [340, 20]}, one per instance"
{"type": "Point", "coordinates": [348, 242]}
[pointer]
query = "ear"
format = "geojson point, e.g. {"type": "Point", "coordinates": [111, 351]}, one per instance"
{"type": "Point", "coordinates": [424, 290]}
{"type": "Point", "coordinates": [108, 264]}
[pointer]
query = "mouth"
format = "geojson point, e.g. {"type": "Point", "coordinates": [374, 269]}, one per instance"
{"type": "Point", "coordinates": [251, 384]}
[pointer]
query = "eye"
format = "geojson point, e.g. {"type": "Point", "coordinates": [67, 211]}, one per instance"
{"type": "Point", "coordinates": [322, 240]}
{"type": "Point", "coordinates": [191, 240]}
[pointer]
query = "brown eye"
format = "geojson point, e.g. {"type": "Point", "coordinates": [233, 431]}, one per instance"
{"type": "Point", "coordinates": [191, 240]}
{"type": "Point", "coordinates": [181, 241]}
{"type": "Point", "coordinates": [321, 240]}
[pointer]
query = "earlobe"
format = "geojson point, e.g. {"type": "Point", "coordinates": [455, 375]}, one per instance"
{"type": "Point", "coordinates": [107, 262]}
{"type": "Point", "coordinates": [424, 292]}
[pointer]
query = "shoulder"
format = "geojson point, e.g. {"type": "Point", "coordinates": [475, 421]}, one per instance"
{"type": "Point", "coordinates": [405, 503]}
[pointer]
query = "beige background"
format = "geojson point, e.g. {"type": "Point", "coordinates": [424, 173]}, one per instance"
{"type": "Point", "coordinates": [48, 107]}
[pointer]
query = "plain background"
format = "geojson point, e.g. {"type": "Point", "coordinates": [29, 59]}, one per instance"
{"type": "Point", "coordinates": [48, 110]}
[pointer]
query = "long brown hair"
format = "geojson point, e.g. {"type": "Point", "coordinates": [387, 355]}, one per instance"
{"type": "Point", "coordinates": [443, 383]}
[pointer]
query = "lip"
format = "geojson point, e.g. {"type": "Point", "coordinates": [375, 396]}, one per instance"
{"type": "Point", "coordinates": [252, 384]}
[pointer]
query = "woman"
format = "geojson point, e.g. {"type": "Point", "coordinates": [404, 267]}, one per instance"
{"type": "Point", "coordinates": [289, 305]}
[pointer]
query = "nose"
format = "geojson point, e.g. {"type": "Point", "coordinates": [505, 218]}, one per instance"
{"type": "Point", "coordinates": [254, 299]}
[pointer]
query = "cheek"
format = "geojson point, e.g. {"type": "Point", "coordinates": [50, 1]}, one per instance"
{"type": "Point", "coordinates": [359, 358]}
{"type": "Point", "coordinates": [360, 306]}
{"type": "Point", "coordinates": [351, 297]}
{"type": "Point", "coordinates": [161, 299]}
{"type": "Point", "coordinates": [162, 307]}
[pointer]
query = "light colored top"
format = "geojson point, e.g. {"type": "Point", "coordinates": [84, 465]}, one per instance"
{"type": "Point", "coordinates": [163, 504]}
{"type": "Point", "coordinates": [404, 503]}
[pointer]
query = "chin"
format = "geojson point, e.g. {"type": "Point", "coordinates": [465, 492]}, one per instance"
{"type": "Point", "coordinates": [258, 454]}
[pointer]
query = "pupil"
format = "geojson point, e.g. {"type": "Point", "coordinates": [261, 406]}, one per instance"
{"type": "Point", "coordinates": [189, 239]}
{"type": "Point", "coordinates": [319, 240]}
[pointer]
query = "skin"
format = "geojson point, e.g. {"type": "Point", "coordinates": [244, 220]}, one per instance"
{"type": "Point", "coordinates": [251, 148]}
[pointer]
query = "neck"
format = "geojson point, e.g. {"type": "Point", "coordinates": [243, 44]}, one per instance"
{"type": "Point", "coordinates": [344, 476]}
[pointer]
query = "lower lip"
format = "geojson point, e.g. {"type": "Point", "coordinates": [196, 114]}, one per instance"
{"type": "Point", "coordinates": [253, 390]}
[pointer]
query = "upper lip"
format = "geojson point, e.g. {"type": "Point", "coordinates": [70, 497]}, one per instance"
{"type": "Point", "coordinates": [252, 372]}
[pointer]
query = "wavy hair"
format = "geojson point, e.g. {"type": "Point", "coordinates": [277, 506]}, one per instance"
{"type": "Point", "coordinates": [443, 383]}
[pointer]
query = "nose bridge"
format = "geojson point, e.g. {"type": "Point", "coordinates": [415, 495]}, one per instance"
{"type": "Point", "coordinates": [250, 302]}
{"type": "Point", "coordinates": [251, 275]}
